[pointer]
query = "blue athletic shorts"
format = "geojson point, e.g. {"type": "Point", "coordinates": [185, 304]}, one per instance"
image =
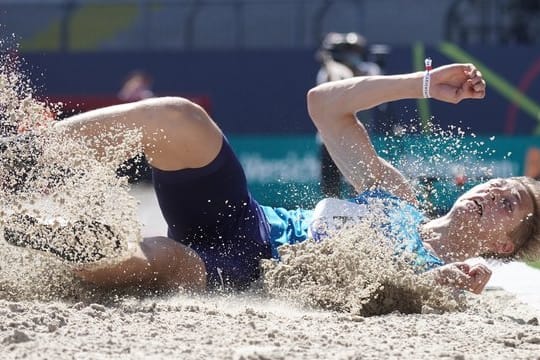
{"type": "Point", "coordinates": [211, 210]}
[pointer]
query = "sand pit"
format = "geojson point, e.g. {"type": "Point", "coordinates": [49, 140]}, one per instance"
{"type": "Point", "coordinates": [254, 327]}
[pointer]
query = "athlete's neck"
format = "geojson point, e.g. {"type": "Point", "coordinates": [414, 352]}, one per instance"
{"type": "Point", "coordinates": [448, 245]}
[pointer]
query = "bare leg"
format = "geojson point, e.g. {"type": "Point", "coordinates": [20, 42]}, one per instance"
{"type": "Point", "coordinates": [158, 262]}
{"type": "Point", "coordinates": [176, 134]}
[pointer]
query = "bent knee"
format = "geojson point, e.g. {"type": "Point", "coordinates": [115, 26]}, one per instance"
{"type": "Point", "coordinates": [181, 118]}
{"type": "Point", "coordinates": [182, 134]}
{"type": "Point", "coordinates": [176, 108]}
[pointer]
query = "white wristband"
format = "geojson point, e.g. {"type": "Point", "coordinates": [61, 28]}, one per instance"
{"type": "Point", "coordinates": [427, 79]}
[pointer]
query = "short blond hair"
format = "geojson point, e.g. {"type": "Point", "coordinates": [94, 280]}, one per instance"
{"type": "Point", "coordinates": [526, 236]}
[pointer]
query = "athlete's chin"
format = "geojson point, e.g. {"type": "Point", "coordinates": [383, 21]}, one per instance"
{"type": "Point", "coordinates": [463, 215]}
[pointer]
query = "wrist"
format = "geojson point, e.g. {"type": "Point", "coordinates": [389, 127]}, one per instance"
{"type": "Point", "coordinates": [412, 84]}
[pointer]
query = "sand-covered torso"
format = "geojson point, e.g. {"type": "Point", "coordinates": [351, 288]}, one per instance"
{"type": "Point", "coordinates": [398, 221]}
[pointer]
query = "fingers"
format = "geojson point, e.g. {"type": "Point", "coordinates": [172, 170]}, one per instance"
{"type": "Point", "coordinates": [456, 82]}
{"type": "Point", "coordinates": [479, 276]}
{"type": "Point", "coordinates": [475, 82]}
{"type": "Point", "coordinates": [463, 276]}
{"type": "Point", "coordinates": [463, 267]}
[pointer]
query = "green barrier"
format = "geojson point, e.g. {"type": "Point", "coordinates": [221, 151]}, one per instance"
{"type": "Point", "coordinates": [281, 170]}
{"type": "Point", "coordinates": [284, 170]}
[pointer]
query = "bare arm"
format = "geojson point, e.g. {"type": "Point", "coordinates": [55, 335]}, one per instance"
{"type": "Point", "coordinates": [333, 106]}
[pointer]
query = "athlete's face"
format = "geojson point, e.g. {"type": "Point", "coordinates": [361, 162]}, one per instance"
{"type": "Point", "coordinates": [487, 213]}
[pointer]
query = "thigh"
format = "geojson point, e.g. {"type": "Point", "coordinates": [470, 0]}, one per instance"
{"type": "Point", "coordinates": [176, 133]}
{"type": "Point", "coordinates": [157, 262]}
{"type": "Point", "coordinates": [211, 210]}
{"type": "Point", "coordinates": [199, 198]}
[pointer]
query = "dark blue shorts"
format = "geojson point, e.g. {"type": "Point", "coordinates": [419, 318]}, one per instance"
{"type": "Point", "coordinates": [211, 210]}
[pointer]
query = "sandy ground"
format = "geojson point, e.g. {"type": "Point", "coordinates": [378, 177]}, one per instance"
{"type": "Point", "coordinates": [496, 325]}
{"type": "Point", "coordinates": [244, 327]}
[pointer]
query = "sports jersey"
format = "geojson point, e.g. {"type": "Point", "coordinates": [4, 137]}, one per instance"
{"type": "Point", "coordinates": [399, 220]}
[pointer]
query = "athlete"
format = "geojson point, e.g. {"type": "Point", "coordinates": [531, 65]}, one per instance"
{"type": "Point", "coordinates": [217, 233]}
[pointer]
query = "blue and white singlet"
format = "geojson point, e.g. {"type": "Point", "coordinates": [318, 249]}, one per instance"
{"type": "Point", "coordinates": [399, 220]}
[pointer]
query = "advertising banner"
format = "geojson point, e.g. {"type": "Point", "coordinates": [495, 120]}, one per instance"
{"type": "Point", "coordinates": [285, 170]}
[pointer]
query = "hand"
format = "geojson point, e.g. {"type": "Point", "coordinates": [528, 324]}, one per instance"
{"type": "Point", "coordinates": [453, 83]}
{"type": "Point", "coordinates": [464, 276]}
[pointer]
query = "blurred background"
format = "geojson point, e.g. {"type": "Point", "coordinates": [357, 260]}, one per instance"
{"type": "Point", "coordinates": [251, 62]}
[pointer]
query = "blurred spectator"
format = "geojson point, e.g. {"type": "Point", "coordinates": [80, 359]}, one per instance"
{"type": "Point", "coordinates": [137, 86]}
{"type": "Point", "coordinates": [342, 56]}
{"type": "Point", "coordinates": [532, 163]}
{"type": "Point", "coordinates": [524, 23]}
{"type": "Point", "coordinates": [474, 22]}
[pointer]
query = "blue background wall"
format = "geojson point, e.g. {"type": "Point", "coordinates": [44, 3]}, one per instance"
{"type": "Point", "coordinates": [263, 91]}
{"type": "Point", "coordinates": [258, 94]}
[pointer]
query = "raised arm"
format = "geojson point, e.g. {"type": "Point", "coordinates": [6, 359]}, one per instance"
{"type": "Point", "coordinates": [332, 107]}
